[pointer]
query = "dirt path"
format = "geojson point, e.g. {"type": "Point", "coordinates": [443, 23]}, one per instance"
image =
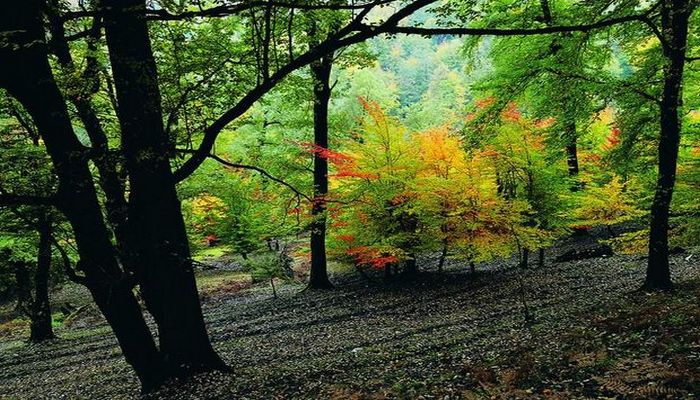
{"type": "Point", "coordinates": [363, 339]}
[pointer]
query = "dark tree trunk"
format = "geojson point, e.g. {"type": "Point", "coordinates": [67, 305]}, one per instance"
{"type": "Point", "coordinates": [41, 329]}
{"type": "Point", "coordinates": [274, 291]}
{"type": "Point", "coordinates": [25, 73]}
{"type": "Point", "coordinates": [572, 154]}
{"type": "Point", "coordinates": [411, 266]}
{"type": "Point", "coordinates": [499, 184]}
{"type": "Point", "coordinates": [158, 239]}
{"type": "Point", "coordinates": [546, 12]}
{"type": "Point", "coordinates": [321, 72]}
{"type": "Point", "coordinates": [110, 180]}
{"type": "Point", "coordinates": [540, 261]}
{"type": "Point", "coordinates": [572, 158]}
{"type": "Point", "coordinates": [23, 289]}
{"type": "Point", "coordinates": [472, 268]}
{"type": "Point", "coordinates": [524, 258]}
{"type": "Point", "coordinates": [674, 20]}
{"type": "Point", "coordinates": [570, 132]}
{"type": "Point", "coordinates": [443, 255]}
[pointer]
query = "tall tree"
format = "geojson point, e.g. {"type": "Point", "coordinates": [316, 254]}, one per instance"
{"type": "Point", "coordinates": [675, 15]}
{"type": "Point", "coordinates": [26, 74]}
{"type": "Point", "coordinates": [321, 72]}
{"type": "Point", "coordinates": [41, 328]}
{"type": "Point", "coordinates": [157, 236]}
{"type": "Point", "coordinates": [80, 94]}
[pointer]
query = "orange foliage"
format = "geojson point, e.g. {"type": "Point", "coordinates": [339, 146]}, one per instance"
{"type": "Point", "coordinates": [372, 108]}
{"type": "Point", "coordinates": [485, 102]}
{"type": "Point", "coordinates": [347, 238]}
{"type": "Point", "coordinates": [333, 157]}
{"type": "Point", "coordinates": [371, 257]}
{"type": "Point", "coordinates": [344, 164]}
{"type": "Point", "coordinates": [613, 139]}
{"type": "Point", "coordinates": [511, 113]}
{"type": "Point", "coordinates": [545, 123]}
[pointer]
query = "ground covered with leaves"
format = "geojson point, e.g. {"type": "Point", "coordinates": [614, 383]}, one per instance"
{"type": "Point", "coordinates": [443, 335]}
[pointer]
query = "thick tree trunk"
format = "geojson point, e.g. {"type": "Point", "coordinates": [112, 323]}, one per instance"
{"type": "Point", "coordinates": [158, 239]}
{"type": "Point", "coordinates": [674, 20]}
{"type": "Point", "coordinates": [41, 329]}
{"type": "Point", "coordinates": [81, 97]}
{"type": "Point", "coordinates": [321, 72]}
{"type": "Point", "coordinates": [540, 260]}
{"type": "Point", "coordinates": [546, 12]}
{"type": "Point", "coordinates": [26, 75]}
{"type": "Point", "coordinates": [23, 289]}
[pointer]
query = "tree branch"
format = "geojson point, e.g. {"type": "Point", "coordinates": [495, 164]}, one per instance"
{"type": "Point", "coordinates": [356, 31]}
{"type": "Point", "coordinates": [70, 272]}
{"type": "Point", "coordinates": [623, 85]}
{"type": "Point", "coordinates": [232, 9]}
{"type": "Point", "coordinates": [459, 31]}
{"type": "Point", "coordinates": [333, 42]}
{"type": "Point", "coordinates": [10, 200]}
{"type": "Point", "coordinates": [253, 168]}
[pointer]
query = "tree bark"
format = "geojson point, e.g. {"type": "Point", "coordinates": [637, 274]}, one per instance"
{"type": "Point", "coordinates": [26, 75]}
{"type": "Point", "coordinates": [272, 283]}
{"type": "Point", "coordinates": [321, 72]}
{"type": "Point", "coordinates": [158, 239]}
{"type": "Point", "coordinates": [23, 289]}
{"type": "Point", "coordinates": [81, 97]}
{"type": "Point", "coordinates": [674, 21]}
{"type": "Point", "coordinates": [524, 258]}
{"type": "Point", "coordinates": [40, 328]}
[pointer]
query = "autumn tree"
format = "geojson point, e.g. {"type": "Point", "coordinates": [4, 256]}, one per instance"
{"type": "Point", "coordinates": [379, 226]}
{"type": "Point", "coordinates": [458, 201]}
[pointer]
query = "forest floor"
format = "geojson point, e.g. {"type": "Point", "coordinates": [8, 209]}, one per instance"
{"type": "Point", "coordinates": [443, 335]}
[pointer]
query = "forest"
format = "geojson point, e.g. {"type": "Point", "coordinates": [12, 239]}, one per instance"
{"type": "Point", "coordinates": [350, 199]}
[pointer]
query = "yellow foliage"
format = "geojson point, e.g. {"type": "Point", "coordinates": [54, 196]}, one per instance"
{"type": "Point", "coordinates": [631, 242]}
{"type": "Point", "coordinates": [608, 204]}
{"type": "Point", "coordinates": [206, 205]}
